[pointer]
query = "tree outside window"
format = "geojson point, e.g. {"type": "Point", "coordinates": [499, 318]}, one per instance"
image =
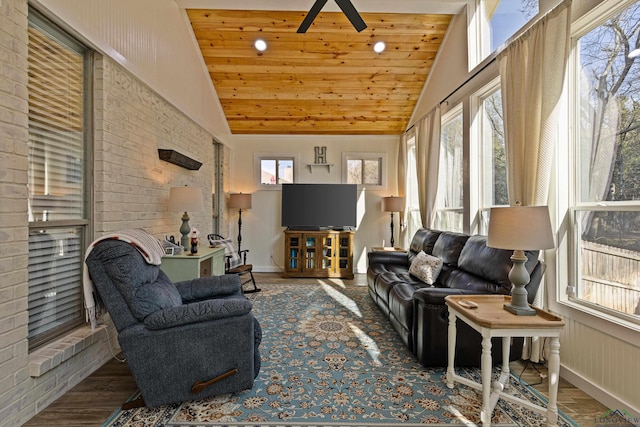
{"type": "Point", "coordinates": [607, 205]}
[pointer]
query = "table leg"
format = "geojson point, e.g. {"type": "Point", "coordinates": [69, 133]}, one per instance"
{"type": "Point", "coordinates": [451, 355]}
{"type": "Point", "coordinates": [554, 377]}
{"type": "Point", "coordinates": [506, 350]}
{"type": "Point", "coordinates": [485, 366]}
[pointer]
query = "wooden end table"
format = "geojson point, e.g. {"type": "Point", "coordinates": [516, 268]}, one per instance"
{"type": "Point", "coordinates": [490, 319]}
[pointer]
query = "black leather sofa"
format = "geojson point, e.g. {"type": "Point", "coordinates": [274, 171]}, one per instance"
{"type": "Point", "coordinates": [417, 310]}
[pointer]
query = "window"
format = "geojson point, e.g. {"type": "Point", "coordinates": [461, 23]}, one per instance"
{"type": "Point", "coordinates": [450, 202]}
{"type": "Point", "coordinates": [497, 21]}
{"type": "Point", "coordinates": [57, 153]}
{"type": "Point", "coordinates": [276, 171]}
{"type": "Point", "coordinates": [362, 168]}
{"type": "Point", "coordinates": [606, 205]}
{"type": "Point", "coordinates": [493, 166]}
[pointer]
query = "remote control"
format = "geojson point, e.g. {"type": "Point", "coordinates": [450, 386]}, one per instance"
{"type": "Point", "coordinates": [468, 304]}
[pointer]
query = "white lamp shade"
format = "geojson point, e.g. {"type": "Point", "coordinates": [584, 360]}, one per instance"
{"type": "Point", "coordinates": [185, 199]}
{"type": "Point", "coordinates": [520, 228]}
{"type": "Point", "coordinates": [393, 204]}
{"type": "Point", "coordinates": [240, 201]}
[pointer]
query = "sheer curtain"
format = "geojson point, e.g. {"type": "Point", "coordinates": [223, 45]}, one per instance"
{"type": "Point", "coordinates": [532, 70]}
{"type": "Point", "coordinates": [402, 186]}
{"type": "Point", "coordinates": [427, 159]}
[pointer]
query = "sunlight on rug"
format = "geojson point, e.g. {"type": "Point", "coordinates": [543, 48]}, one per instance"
{"type": "Point", "coordinates": [331, 358]}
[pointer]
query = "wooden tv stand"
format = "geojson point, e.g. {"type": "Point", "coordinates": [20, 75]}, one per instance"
{"type": "Point", "coordinates": [324, 253]}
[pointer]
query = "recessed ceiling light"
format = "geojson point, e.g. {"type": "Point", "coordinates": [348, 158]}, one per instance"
{"type": "Point", "coordinates": [379, 47]}
{"type": "Point", "coordinates": [261, 45]}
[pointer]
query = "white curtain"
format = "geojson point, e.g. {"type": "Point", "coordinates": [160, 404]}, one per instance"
{"type": "Point", "coordinates": [402, 186]}
{"type": "Point", "coordinates": [532, 70]}
{"type": "Point", "coordinates": [427, 159]}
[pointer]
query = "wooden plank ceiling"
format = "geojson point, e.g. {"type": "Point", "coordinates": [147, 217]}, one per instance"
{"type": "Point", "coordinates": [325, 81]}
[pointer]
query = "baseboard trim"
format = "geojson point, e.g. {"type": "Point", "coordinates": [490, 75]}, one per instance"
{"type": "Point", "coordinates": [599, 394]}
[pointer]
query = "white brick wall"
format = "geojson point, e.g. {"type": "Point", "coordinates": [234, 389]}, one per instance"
{"type": "Point", "coordinates": [131, 190]}
{"type": "Point", "coordinates": [13, 206]}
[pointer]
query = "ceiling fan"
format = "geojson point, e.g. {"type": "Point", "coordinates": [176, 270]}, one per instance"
{"type": "Point", "coordinates": [347, 8]}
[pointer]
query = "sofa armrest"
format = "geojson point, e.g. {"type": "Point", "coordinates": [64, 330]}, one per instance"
{"type": "Point", "coordinates": [388, 257]}
{"type": "Point", "coordinates": [436, 296]}
{"type": "Point", "coordinates": [209, 287]}
{"type": "Point", "coordinates": [197, 312]}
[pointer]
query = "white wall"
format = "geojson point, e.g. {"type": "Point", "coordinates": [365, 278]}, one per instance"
{"type": "Point", "coordinates": [261, 230]}
{"type": "Point", "coordinates": [153, 40]}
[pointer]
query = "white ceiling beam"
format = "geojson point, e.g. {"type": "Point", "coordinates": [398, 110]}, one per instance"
{"type": "Point", "coordinates": [385, 6]}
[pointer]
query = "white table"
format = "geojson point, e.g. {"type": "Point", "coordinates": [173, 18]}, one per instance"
{"type": "Point", "coordinates": [490, 319]}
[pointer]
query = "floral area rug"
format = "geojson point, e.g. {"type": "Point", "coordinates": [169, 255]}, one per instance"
{"type": "Point", "coordinates": [331, 358]}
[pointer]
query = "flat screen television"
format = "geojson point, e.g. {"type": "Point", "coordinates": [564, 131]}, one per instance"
{"type": "Point", "coordinates": [319, 206]}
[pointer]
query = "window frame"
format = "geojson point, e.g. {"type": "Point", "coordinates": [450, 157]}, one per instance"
{"type": "Point", "coordinates": [616, 323]}
{"type": "Point", "coordinates": [479, 33]}
{"type": "Point", "coordinates": [259, 157]}
{"type": "Point", "coordinates": [84, 224]}
{"type": "Point", "coordinates": [457, 111]}
{"type": "Point", "coordinates": [482, 137]}
{"type": "Point", "coordinates": [362, 156]}
{"type": "Point", "coordinates": [412, 200]}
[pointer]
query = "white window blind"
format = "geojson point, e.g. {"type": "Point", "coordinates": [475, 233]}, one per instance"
{"type": "Point", "coordinates": [56, 149]}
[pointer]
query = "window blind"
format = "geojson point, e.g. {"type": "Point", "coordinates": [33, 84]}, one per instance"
{"type": "Point", "coordinates": [56, 177]}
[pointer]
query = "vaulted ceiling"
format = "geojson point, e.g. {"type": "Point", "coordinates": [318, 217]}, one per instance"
{"type": "Point", "coordinates": [325, 81]}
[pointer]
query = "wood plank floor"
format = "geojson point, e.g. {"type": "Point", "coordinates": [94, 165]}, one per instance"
{"type": "Point", "coordinates": [94, 399]}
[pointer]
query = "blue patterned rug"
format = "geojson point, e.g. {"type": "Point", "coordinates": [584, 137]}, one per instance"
{"type": "Point", "coordinates": [331, 358]}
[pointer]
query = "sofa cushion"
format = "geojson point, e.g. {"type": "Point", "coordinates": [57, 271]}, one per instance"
{"type": "Point", "coordinates": [423, 240]}
{"type": "Point", "coordinates": [491, 264]}
{"type": "Point", "coordinates": [426, 267]}
{"type": "Point", "coordinates": [448, 247]}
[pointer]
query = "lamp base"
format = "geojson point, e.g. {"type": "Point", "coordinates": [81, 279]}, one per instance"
{"type": "Point", "coordinates": [519, 277]}
{"type": "Point", "coordinates": [520, 311]}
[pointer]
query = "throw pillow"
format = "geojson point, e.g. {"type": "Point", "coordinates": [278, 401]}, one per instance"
{"type": "Point", "coordinates": [229, 251]}
{"type": "Point", "coordinates": [426, 267]}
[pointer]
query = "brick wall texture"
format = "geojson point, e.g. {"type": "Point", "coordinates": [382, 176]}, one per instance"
{"type": "Point", "coordinates": [131, 186]}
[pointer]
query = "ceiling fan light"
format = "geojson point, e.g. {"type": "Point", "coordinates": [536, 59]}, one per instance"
{"type": "Point", "coordinates": [260, 45]}
{"type": "Point", "coordinates": [379, 47]}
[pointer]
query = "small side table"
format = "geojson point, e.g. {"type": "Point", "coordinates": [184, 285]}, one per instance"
{"type": "Point", "coordinates": [490, 319]}
{"type": "Point", "coordinates": [207, 262]}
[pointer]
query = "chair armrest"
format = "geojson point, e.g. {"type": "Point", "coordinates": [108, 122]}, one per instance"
{"type": "Point", "coordinates": [197, 312]}
{"type": "Point", "coordinates": [388, 257]}
{"type": "Point", "coordinates": [435, 296]}
{"type": "Point", "coordinates": [209, 287]}
{"type": "Point", "coordinates": [243, 254]}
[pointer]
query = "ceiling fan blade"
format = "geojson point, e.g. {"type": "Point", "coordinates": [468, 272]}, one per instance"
{"type": "Point", "coordinates": [308, 20]}
{"type": "Point", "coordinates": [350, 11]}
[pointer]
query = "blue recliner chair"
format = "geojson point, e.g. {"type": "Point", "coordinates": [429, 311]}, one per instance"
{"type": "Point", "coordinates": [183, 341]}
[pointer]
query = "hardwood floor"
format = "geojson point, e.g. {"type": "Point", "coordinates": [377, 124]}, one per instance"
{"type": "Point", "coordinates": [94, 399]}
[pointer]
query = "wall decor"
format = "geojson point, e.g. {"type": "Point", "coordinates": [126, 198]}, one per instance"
{"type": "Point", "coordinates": [179, 159]}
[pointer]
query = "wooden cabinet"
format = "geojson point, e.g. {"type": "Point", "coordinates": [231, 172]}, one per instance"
{"type": "Point", "coordinates": [325, 253]}
{"type": "Point", "coordinates": [207, 262]}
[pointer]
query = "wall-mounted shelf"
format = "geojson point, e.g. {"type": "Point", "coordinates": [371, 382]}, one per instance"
{"type": "Point", "coordinates": [179, 159]}
{"type": "Point", "coordinates": [326, 165]}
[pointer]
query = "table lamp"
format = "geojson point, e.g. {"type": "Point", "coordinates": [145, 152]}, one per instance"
{"type": "Point", "coordinates": [520, 228]}
{"type": "Point", "coordinates": [240, 201]}
{"type": "Point", "coordinates": [183, 199]}
{"type": "Point", "coordinates": [392, 204]}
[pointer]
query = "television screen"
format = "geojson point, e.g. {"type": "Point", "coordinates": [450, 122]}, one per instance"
{"type": "Point", "coordinates": [315, 206]}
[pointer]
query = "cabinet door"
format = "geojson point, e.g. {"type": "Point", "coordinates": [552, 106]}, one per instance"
{"type": "Point", "coordinates": [345, 255]}
{"type": "Point", "coordinates": [293, 252]}
{"type": "Point", "coordinates": [310, 252]}
{"type": "Point", "coordinates": [206, 267]}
